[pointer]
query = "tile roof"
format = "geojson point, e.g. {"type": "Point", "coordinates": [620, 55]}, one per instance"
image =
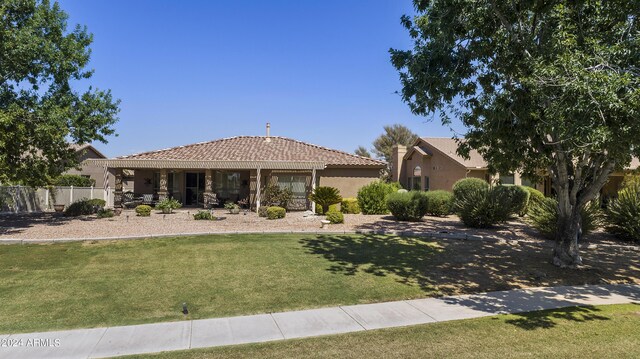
{"type": "Point", "coordinates": [257, 148]}
{"type": "Point", "coordinates": [449, 146]}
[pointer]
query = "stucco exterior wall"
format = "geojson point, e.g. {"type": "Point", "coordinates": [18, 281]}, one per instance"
{"type": "Point", "coordinates": [347, 180]}
{"type": "Point", "coordinates": [96, 173]}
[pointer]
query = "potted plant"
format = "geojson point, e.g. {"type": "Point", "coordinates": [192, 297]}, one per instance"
{"type": "Point", "coordinates": [167, 205]}
{"type": "Point", "coordinates": [59, 208]}
{"type": "Point", "coordinates": [233, 208]}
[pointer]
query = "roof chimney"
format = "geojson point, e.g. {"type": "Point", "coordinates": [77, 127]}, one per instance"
{"type": "Point", "coordinates": [268, 139]}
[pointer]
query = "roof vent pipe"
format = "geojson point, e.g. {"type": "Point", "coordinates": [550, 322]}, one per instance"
{"type": "Point", "coordinates": [268, 139]}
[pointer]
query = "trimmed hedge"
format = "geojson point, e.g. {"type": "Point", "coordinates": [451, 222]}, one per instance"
{"type": "Point", "coordinates": [332, 208]}
{"type": "Point", "coordinates": [105, 213]}
{"type": "Point", "coordinates": [143, 210]}
{"type": "Point", "coordinates": [335, 217]}
{"type": "Point", "coordinates": [483, 208]}
{"type": "Point", "coordinates": [439, 203]}
{"type": "Point", "coordinates": [623, 213]}
{"type": "Point", "coordinates": [372, 198]}
{"type": "Point", "coordinates": [465, 185]}
{"type": "Point", "coordinates": [350, 206]}
{"type": "Point", "coordinates": [84, 207]}
{"type": "Point", "coordinates": [275, 212]}
{"type": "Point", "coordinates": [535, 197]}
{"type": "Point", "coordinates": [408, 206]}
{"type": "Point", "coordinates": [518, 197]}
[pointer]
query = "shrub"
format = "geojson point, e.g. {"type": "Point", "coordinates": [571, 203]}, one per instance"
{"type": "Point", "coordinates": [439, 202]}
{"type": "Point", "coordinates": [543, 216]}
{"type": "Point", "coordinates": [623, 213]}
{"type": "Point", "coordinates": [275, 212]}
{"type": "Point", "coordinates": [203, 215]}
{"type": "Point", "coordinates": [105, 213]}
{"type": "Point", "coordinates": [325, 196]}
{"type": "Point", "coordinates": [349, 206]}
{"type": "Point", "coordinates": [73, 180]}
{"type": "Point", "coordinates": [262, 211]}
{"type": "Point", "coordinates": [407, 206]}
{"type": "Point", "coordinates": [167, 205]}
{"type": "Point", "coordinates": [84, 207]}
{"type": "Point", "coordinates": [535, 197]}
{"type": "Point", "coordinates": [333, 207]}
{"type": "Point", "coordinates": [276, 196]}
{"type": "Point", "coordinates": [335, 217]}
{"type": "Point", "coordinates": [482, 207]}
{"type": "Point", "coordinates": [143, 210]}
{"type": "Point", "coordinates": [463, 186]}
{"type": "Point", "coordinates": [372, 198]}
{"type": "Point", "coordinates": [518, 197]}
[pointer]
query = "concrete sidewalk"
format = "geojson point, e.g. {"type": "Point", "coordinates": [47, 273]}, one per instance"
{"type": "Point", "coordinates": [151, 338]}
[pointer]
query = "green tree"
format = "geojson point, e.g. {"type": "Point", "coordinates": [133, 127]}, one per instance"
{"type": "Point", "coordinates": [362, 151]}
{"type": "Point", "coordinates": [555, 82]}
{"type": "Point", "coordinates": [393, 134]}
{"type": "Point", "coordinates": [325, 196]}
{"type": "Point", "coordinates": [39, 110]}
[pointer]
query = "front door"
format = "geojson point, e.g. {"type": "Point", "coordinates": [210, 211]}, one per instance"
{"type": "Point", "coordinates": [194, 188]}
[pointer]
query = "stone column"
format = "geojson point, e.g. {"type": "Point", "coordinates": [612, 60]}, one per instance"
{"type": "Point", "coordinates": [163, 192]}
{"type": "Point", "coordinates": [117, 193]}
{"type": "Point", "coordinates": [208, 188]}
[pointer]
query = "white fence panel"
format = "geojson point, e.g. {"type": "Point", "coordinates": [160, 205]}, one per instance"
{"type": "Point", "coordinates": [20, 199]}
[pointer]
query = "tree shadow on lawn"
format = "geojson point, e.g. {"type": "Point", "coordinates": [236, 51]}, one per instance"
{"type": "Point", "coordinates": [452, 267]}
{"type": "Point", "coordinates": [17, 223]}
{"type": "Point", "coordinates": [547, 318]}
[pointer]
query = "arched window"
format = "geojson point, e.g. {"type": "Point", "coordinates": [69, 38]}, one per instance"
{"type": "Point", "coordinates": [416, 180]}
{"type": "Point", "coordinates": [417, 172]}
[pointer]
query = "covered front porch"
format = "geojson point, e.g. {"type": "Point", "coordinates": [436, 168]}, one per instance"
{"type": "Point", "coordinates": [205, 184]}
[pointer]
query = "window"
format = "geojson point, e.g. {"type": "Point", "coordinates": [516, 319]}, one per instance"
{"type": "Point", "coordinates": [507, 179]}
{"type": "Point", "coordinates": [426, 183]}
{"type": "Point", "coordinates": [297, 184]}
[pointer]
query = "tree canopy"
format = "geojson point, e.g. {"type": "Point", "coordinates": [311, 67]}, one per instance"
{"type": "Point", "coordinates": [393, 134]}
{"type": "Point", "coordinates": [40, 112]}
{"type": "Point", "coordinates": [362, 151]}
{"type": "Point", "coordinates": [543, 87]}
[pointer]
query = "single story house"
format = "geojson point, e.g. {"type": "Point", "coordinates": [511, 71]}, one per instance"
{"type": "Point", "coordinates": [239, 168]}
{"type": "Point", "coordinates": [434, 164]}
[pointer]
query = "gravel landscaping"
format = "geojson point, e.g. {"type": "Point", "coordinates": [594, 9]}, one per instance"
{"type": "Point", "coordinates": [56, 226]}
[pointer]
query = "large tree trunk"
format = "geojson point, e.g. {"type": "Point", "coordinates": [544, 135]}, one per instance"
{"type": "Point", "coordinates": [566, 252]}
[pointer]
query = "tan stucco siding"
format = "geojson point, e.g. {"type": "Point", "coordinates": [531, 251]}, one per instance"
{"type": "Point", "coordinates": [347, 180]}
{"type": "Point", "coordinates": [96, 173]}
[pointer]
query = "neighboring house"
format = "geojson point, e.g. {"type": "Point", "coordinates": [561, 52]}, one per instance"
{"type": "Point", "coordinates": [239, 168]}
{"type": "Point", "coordinates": [86, 152]}
{"type": "Point", "coordinates": [433, 164]}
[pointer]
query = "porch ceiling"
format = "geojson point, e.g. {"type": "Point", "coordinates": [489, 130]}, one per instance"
{"type": "Point", "coordinates": [192, 164]}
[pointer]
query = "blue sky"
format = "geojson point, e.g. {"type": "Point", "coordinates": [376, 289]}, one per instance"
{"type": "Point", "coordinates": [192, 71]}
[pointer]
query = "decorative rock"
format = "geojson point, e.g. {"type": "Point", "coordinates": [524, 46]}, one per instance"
{"type": "Point", "coordinates": [324, 223]}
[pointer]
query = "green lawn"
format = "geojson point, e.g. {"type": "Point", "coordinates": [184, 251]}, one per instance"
{"type": "Point", "coordinates": [583, 332]}
{"type": "Point", "coordinates": [90, 284]}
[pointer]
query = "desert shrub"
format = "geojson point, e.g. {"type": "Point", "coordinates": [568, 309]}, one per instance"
{"type": "Point", "coordinates": [203, 215]}
{"type": "Point", "coordinates": [535, 197]}
{"type": "Point", "coordinates": [463, 186]}
{"type": "Point", "coordinates": [275, 212]}
{"type": "Point", "coordinates": [262, 211]}
{"type": "Point", "coordinates": [73, 180]}
{"type": "Point", "coordinates": [83, 207]}
{"type": "Point", "coordinates": [167, 205]}
{"type": "Point", "coordinates": [518, 197]}
{"type": "Point", "coordinates": [276, 196]}
{"type": "Point", "coordinates": [623, 213]}
{"type": "Point", "coordinates": [333, 207]}
{"type": "Point", "coordinates": [105, 213]}
{"type": "Point", "coordinates": [335, 217]}
{"type": "Point", "coordinates": [482, 207]}
{"type": "Point", "coordinates": [439, 202]}
{"type": "Point", "coordinates": [325, 196]}
{"type": "Point", "coordinates": [349, 206]}
{"type": "Point", "coordinates": [143, 210]}
{"type": "Point", "coordinates": [543, 216]}
{"type": "Point", "coordinates": [372, 198]}
{"type": "Point", "coordinates": [407, 206]}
